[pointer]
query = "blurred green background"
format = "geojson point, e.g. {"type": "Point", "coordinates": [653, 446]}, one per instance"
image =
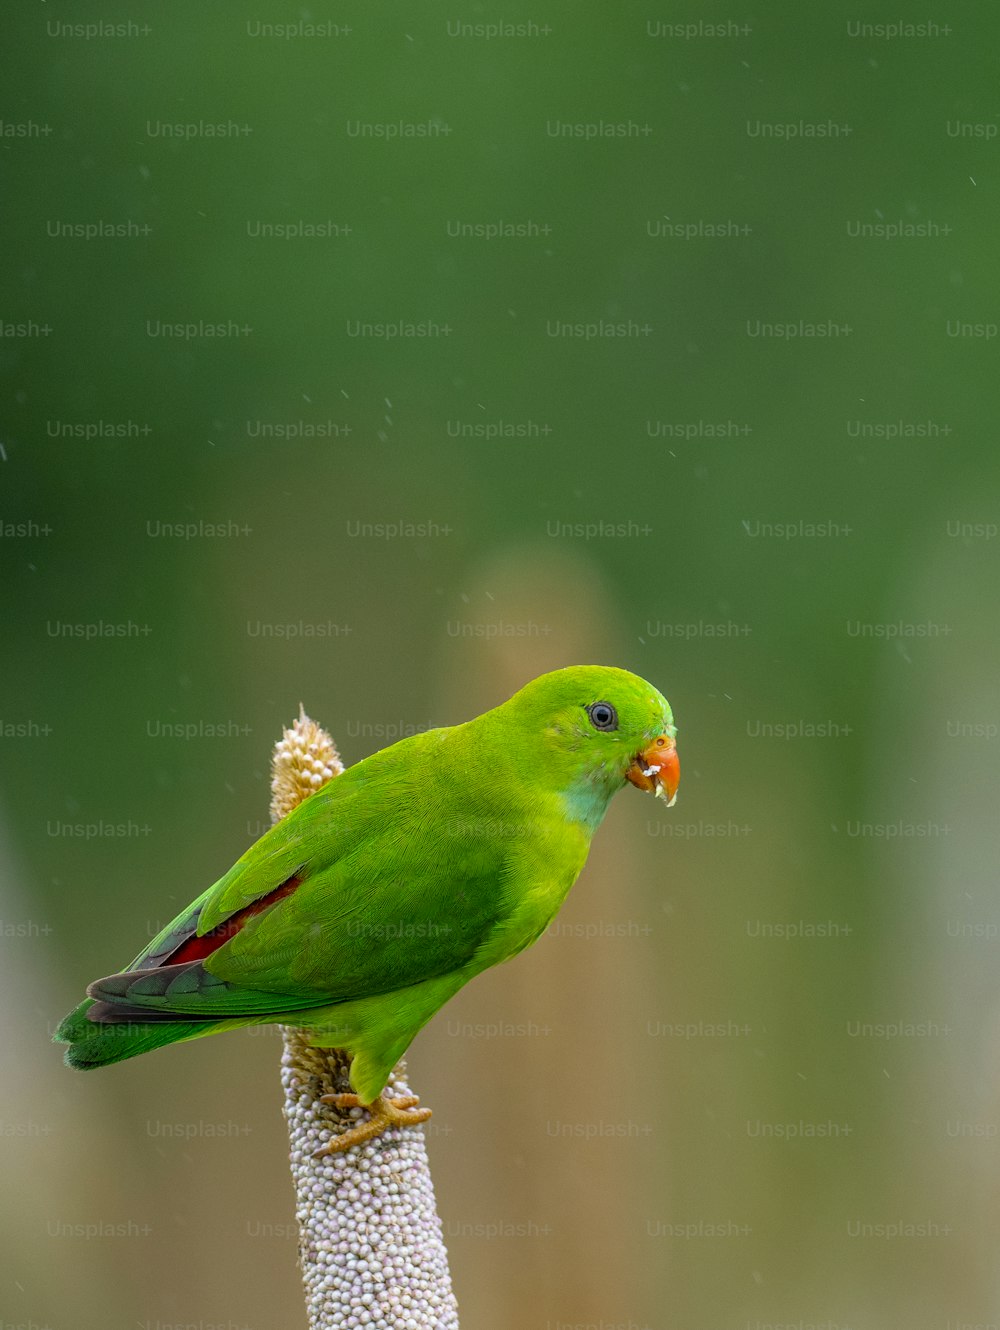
{"type": "Point", "coordinates": [688, 411]}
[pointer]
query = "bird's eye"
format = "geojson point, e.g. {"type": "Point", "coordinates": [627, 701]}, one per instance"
{"type": "Point", "coordinates": [603, 716]}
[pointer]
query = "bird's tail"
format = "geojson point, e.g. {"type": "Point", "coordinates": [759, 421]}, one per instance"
{"type": "Point", "coordinates": [96, 1044]}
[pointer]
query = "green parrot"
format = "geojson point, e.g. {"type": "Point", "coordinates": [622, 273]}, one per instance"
{"type": "Point", "coordinates": [364, 910]}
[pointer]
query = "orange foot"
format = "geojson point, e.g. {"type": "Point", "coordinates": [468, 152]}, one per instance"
{"type": "Point", "coordinates": [385, 1113]}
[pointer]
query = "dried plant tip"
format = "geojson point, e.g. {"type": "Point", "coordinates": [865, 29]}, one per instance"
{"type": "Point", "coordinates": [304, 759]}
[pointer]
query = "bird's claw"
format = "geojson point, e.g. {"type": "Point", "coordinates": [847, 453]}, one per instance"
{"type": "Point", "coordinates": [400, 1111]}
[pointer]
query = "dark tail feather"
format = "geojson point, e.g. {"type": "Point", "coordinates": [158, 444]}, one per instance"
{"type": "Point", "coordinates": [96, 1045]}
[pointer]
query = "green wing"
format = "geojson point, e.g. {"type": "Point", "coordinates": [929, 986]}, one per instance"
{"type": "Point", "coordinates": [317, 830]}
{"type": "Point", "coordinates": [388, 888]}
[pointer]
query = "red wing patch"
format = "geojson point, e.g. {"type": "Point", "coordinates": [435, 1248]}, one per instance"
{"type": "Point", "coordinates": [197, 948]}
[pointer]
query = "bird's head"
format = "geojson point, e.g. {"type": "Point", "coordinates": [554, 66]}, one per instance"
{"type": "Point", "coordinates": [602, 727]}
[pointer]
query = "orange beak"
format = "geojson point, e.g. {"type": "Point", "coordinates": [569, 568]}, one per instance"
{"type": "Point", "coordinates": [657, 768]}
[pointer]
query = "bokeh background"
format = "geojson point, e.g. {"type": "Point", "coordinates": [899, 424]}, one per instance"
{"type": "Point", "coordinates": [710, 394]}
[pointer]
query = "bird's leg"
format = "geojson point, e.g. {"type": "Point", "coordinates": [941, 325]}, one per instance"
{"type": "Point", "coordinates": [385, 1113]}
